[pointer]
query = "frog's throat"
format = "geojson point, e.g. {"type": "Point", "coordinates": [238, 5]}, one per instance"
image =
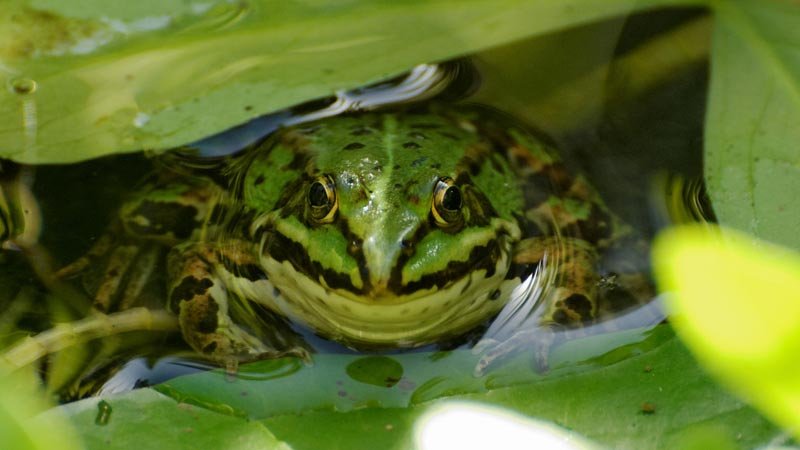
{"type": "Point", "coordinates": [412, 319]}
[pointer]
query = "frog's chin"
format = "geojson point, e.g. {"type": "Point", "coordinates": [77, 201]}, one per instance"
{"type": "Point", "coordinates": [416, 318]}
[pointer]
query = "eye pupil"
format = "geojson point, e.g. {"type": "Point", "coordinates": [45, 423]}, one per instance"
{"type": "Point", "coordinates": [451, 200]}
{"type": "Point", "coordinates": [317, 195]}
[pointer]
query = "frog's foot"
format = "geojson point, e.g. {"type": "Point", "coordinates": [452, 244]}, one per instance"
{"type": "Point", "coordinates": [101, 247]}
{"type": "Point", "coordinates": [206, 308]}
{"type": "Point", "coordinates": [115, 273]}
{"type": "Point", "coordinates": [537, 340]}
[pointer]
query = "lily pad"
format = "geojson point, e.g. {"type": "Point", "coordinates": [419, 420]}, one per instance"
{"type": "Point", "coordinates": [89, 78]}
{"type": "Point", "coordinates": [752, 163]}
{"type": "Point", "coordinates": [648, 396]}
{"type": "Point", "coordinates": [145, 419]}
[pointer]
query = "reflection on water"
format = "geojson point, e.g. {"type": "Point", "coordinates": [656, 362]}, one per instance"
{"type": "Point", "coordinates": [621, 284]}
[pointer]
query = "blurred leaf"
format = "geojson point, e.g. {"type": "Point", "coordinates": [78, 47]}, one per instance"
{"type": "Point", "coordinates": [736, 305]}
{"type": "Point", "coordinates": [584, 76]}
{"type": "Point", "coordinates": [86, 78]}
{"type": "Point", "coordinates": [752, 162]}
{"type": "Point", "coordinates": [145, 419]}
{"type": "Point", "coordinates": [20, 400]}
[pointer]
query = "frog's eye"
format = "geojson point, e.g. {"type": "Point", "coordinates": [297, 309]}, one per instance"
{"type": "Point", "coordinates": [322, 199]}
{"type": "Point", "coordinates": [447, 202]}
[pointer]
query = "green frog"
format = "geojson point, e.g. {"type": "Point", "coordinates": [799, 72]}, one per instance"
{"type": "Point", "coordinates": [376, 230]}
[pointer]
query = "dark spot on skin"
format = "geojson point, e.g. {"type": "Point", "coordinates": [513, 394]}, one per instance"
{"type": "Point", "coordinates": [414, 199]}
{"type": "Point", "coordinates": [210, 347]}
{"type": "Point", "coordinates": [396, 167]}
{"type": "Point", "coordinates": [495, 294]}
{"type": "Point", "coordinates": [580, 304]}
{"type": "Point", "coordinates": [361, 131]}
{"type": "Point", "coordinates": [164, 218]}
{"type": "Point", "coordinates": [596, 226]}
{"type": "Point", "coordinates": [259, 180]}
{"type": "Point", "coordinates": [425, 126]}
{"type": "Point", "coordinates": [187, 289]}
{"type": "Point", "coordinates": [419, 161]}
{"type": "Point", "coordinates": [113, 273]}
{"type": "Point", "coordinates": [354, 146]}
{"type": "Point", "coordinates": [208, 323]}
{"type": "Point", "coordinates": [248, 108]}
{"type": "Point", "coordinates": [448, 135]}
{"type": "Point", "coordinates": [561, 317]}
{"type": "Point", "coordinates": [398, 185]}
{"type": "Point", "coordinates": [618, 299]}
{"type": "Point", "coordinates": [412, 145]}
{"type": "Point", "coordinates": [537, 189]}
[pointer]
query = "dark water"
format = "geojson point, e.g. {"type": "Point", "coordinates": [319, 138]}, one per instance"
{"type": "Point", "coordinates": [642, 153]}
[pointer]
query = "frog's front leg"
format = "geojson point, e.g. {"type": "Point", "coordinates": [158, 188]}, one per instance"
{"type": "Point", "coordinates": [203, 294]}
{"type": "Point", "coordinates": [568, 298]}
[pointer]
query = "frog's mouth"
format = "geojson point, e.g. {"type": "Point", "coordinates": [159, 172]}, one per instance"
{"type": "Point", "coordinates": [409, 315]}
{"type": "Point", "coordinates": [486, 257]}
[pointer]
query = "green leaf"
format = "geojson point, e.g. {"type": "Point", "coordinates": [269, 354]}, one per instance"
{"type": "Point", "coordinates": [749, 290]}
{"type": "Point", "coordinates": [145, 419]}
{"type": "Point", "coordinates": [604, 405]}
{"type": "Point", "coordinates": [752, 162]}
{"type": "Point", "coordinates": [86, 78]}
{"type": "Point", "coordinates": [20, 400]}
{"type": "Point", "coordinates": [602, 402]}
{"type": "Point", "coordinates": [348, 382]}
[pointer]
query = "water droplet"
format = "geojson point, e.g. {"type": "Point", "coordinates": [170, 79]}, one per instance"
{"type": "Point", "coordinates": [22, 86]}
{"type": "Point", "coordinates": [141, 120]}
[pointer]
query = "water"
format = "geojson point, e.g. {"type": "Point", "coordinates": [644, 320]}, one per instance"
{"type": "Point", "coordinates": [616, 151]}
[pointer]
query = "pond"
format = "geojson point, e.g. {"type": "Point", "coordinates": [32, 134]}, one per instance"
{"type": "Point", "coordinates": [613, 119]}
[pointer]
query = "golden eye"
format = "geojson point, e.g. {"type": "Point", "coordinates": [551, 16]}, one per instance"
{"type": "Point", "coordinates": [322, 199]}
{"type": "Point", "coordinates": [447, 202]}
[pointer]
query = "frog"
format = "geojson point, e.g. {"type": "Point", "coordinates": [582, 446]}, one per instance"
{"type": "Point", "coordinates": [382, 229]}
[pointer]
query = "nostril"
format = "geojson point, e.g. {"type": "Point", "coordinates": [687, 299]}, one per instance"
{"type": "Point", "coordinates": [354, 248]}
{"type": "Point", "coordinates": [407, 246]}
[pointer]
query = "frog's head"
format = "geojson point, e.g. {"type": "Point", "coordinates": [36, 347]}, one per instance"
{"type": "Point", "coordinates": [379, 210]}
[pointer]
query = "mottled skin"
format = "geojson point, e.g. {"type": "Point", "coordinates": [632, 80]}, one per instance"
{"type": "Point", "coordinates": [374, 230]}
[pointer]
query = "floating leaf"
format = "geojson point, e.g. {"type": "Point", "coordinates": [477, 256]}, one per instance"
{"type": "Point", "coordinates": [88, 78]}
{"type": "Point", "coordinates": [145, 419]}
